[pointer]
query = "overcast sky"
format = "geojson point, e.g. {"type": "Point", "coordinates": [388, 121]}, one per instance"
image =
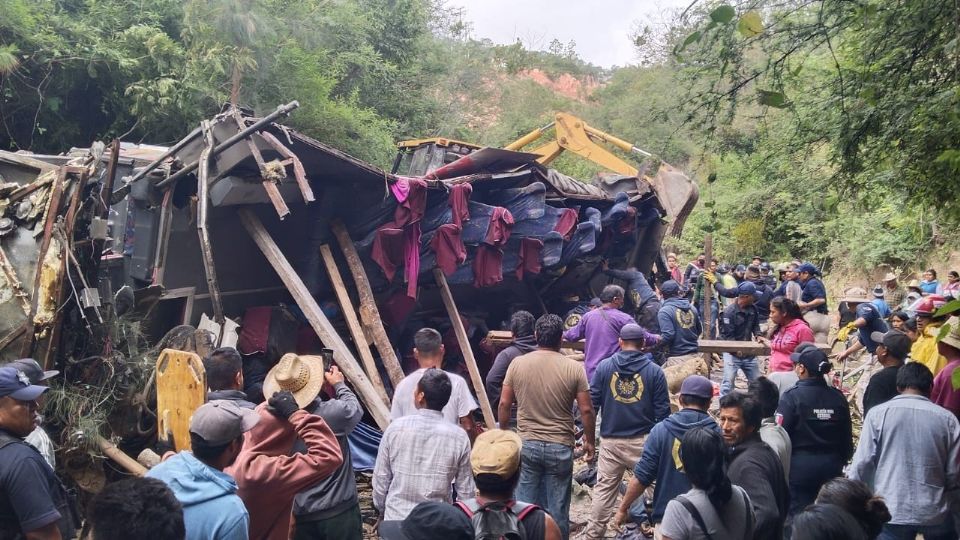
{"type": "Point", "coordinates": [601, 28]}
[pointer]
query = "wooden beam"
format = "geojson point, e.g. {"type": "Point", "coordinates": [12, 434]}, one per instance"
{"type": "Point", "coordinates": [468, 358]}
{"type": "Point", "coordinates": [346, 306]}
{"type": "Point", "coordinates": [369, 314]}
{"type": "Point", "coordinates": [311, 310]}
{"type": "Point", "coordinates": [131, 465]}
{"type": "Point", "coordinates": [749, 348]}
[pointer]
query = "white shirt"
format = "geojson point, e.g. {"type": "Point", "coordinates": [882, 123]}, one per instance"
{"type": "Point", "coordinates": [460, 404]}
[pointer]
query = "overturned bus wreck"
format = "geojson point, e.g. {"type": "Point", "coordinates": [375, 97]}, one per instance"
{"type": "Point", "coordinates": [250, 234]}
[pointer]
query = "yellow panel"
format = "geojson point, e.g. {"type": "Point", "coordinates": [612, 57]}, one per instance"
{"type": "Point", "coordinates": [181, 389]}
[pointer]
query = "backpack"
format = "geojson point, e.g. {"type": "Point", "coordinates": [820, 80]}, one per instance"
{"type": "Point", "coordinates": [497, 520]}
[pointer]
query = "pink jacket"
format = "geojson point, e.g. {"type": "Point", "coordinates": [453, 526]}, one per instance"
{"type": "Point", "coordinates": [785, 341]}
{"type": "Point", "coordinates": [268, 476]}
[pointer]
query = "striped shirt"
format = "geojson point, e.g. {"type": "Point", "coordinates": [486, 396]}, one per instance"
{"type": "Point", "coordinates": [420, 456]}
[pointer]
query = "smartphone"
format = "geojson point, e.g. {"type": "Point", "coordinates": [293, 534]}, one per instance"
{"type": "Point", "coordinates": [327, 359]}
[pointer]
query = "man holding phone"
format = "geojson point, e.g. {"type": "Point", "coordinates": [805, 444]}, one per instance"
{"type": "Point", "coordinates": [330, 508]}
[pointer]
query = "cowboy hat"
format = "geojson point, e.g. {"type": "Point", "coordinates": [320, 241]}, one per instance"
{"type": "Point", "coordinates": [889, 277]}
{"type": "Point", "coordinates": [301, 375]}
{"type": "Point", "coordinates": [854, 295]}
{"type": "Point", "coordinates": [953, 336]}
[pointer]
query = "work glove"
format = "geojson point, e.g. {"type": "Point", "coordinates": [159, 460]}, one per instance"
{"type": "Point", "coordinates": [711, 277]}
{"type": "Point", "coordinates": [283, 405]}
{"type": "Point", "coordinates": [844, 332]}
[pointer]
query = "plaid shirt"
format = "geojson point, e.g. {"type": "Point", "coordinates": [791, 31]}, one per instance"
{"type": "Point", "coordinates": [895, 297]}
{"type": "Point", "coordinates": [420, 456]}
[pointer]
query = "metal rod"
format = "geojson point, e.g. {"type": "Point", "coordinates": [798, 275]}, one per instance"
{"type": "Point", "coordinates": [282, 110]}
{"type": "Point", "coordinates": [203, 204]}
{"type": "Point", "coordinates": [170, 152]}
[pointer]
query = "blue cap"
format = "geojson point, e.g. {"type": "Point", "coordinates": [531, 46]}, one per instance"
{"type": "Point", "coordinates": [16, 384]}
{"type": "Point", "coordinates": [808, 268]}
{"type": "Point", "coordinates": [697, 386]}
{"type": "Point", "coordinates": [670, 288]}
{"type": "Point", "coordinates": [746, 288]}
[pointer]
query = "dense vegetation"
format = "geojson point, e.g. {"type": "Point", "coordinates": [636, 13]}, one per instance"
{"type": "Point", "coordinates": [825, 129]}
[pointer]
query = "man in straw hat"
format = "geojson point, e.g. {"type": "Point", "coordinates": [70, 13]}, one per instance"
{"type": "Point", "coordinates": [495, 461]}
{"type": "Point", "coordinates": [868, 320]}
{"type": "Point", "coordinates": [268, 474]}
{"type": "Point", "coordinates": [944, 392]}
{"type": "Point", "coordinates": [422, 454]}
{"type": "Point", "coordinates": [893, 292]}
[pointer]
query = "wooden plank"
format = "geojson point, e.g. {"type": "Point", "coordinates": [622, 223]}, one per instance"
{"type": "Point", "coordinates": [750, 348]}
{"type": "Point", "coordinates": [369, 314]}
{"type": "Point", "coordinates": [321, 325]}
{"type": "Point", "coordinates": [181, 389]}
{"type": "Point", "coordinates": [131, 465]}
{"type": "Point", "coordinates": [353, 323]}
{"type": "Point", "coordinates": [465, 347]}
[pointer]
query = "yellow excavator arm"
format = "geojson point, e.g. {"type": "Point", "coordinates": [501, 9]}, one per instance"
{"type": "Point", "coordinates": [575, 135]}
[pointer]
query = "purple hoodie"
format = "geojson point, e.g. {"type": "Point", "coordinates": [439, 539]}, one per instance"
{"type": "Point", "coordinates": [600, 329]}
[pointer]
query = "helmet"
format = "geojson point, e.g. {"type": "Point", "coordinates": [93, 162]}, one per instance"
{"type": "Point", "coordinates": [929, 305]}
{"type": "Point", "coordinates": [765, 267]}
{"type": "Point", "coordinates": [723, 268]}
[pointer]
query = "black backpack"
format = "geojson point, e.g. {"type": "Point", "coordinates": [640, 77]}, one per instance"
{"type": "Point", "coordinates": [497, 520]}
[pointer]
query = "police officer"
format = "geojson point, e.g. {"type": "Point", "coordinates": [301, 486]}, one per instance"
{"type": "Point", "coordinates": [33, 503]}
{"type": "Point", "coordinates": [817, 418]}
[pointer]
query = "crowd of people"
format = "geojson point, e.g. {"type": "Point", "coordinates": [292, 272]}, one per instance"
{"type": "Point", "coordinates": [770, 459]}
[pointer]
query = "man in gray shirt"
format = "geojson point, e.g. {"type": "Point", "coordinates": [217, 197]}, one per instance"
{"type": "Point", "coordinates": [908, 454]}
{"type": "Point", "coordinates": [330, 509]}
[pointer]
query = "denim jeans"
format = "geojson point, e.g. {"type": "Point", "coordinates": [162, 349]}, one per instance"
{"type": "Point", "coordinates": [943, 531]}
{"type": "Point", "coordinates": [546, 474]}
{"type": "Point", "coordinates": [730, 366]}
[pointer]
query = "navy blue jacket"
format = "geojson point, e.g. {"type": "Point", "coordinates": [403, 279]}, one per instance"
{"type": "Point", "coordinates": [636, 283]}
{"type": "Point", "coordinates": [812, 289]}
{"type": "Point", "coordinates": [764, 295]}
{"type": "Point", "coordinates": [680, 326]}
{"type": "Point", "coordinates": [661, 457]}
{"type": "Point", "coordinates": [631, 391]}
{"type": "Point", "coordinates": [739, 324]}
{"type": "Point", "coordinates": [817, 418]}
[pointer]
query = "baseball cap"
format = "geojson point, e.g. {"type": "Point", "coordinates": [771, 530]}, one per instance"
{"type": "Point", "coordinates": [496, 451]}
{"type": "Point", "coordinates": [428, 521]}
{"type": "Point", "coordinates": [697, 386]}
{"type": "Point", "coordinates": [33, 370]}
{"type": "Point", "coordinates": [808, 268]}
{"type": "Point", "coordinates": [221, 421]}
{"type": "Point", "coordinates": [812, 358]}
{"type": "Point", "coordinates": [895, 341]}
{"type": "Point", "coordinates": [595, 302]}
{"type": "Point", "coordinates": [16, 384]}
{"type": "Point", "coordinates": [670, 288]}
{"type": "Point", "coordinates": [635, 332]}
{"type": "Point", "coordinates": [746, 288]}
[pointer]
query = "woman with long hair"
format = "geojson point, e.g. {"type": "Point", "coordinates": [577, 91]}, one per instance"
{"type": "Point", "coordinates": [714, 508]}
{"type": "Point", "coordinates": [788, 330]}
